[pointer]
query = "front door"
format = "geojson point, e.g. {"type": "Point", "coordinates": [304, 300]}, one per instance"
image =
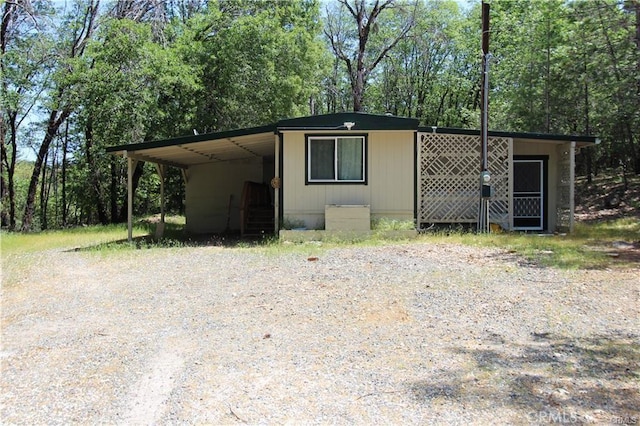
{"type": "Point", "coordinates": [529, 193]}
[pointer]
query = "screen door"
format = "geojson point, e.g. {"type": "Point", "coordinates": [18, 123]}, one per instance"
{"type": "Point", "coordinates": [528, 194]}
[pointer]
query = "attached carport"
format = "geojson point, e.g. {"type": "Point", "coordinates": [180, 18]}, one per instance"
{"type": "Point", "coordinates": [190, 152]}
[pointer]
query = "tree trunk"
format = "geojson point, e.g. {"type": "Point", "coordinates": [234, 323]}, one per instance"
{"type": "Point", "coordinates": [9, 163]}
{"type": "Point", "coordinates": [358, 66]}
{"type": "Point", "coordinates": [636, 5]}
{"type": "Point", "coordinates": [56, 118]}
{"type": "Point", "coordinates": [94, 173]}
{"type": "Point", "coordinates": [4, 192]}
{"type": "Point", "coordinates": [358, 90]}
{"type": "Point", "coordinates": [11, 170]}
{"type": "Point", "coordinates": [587, 122]}
{"type": "Point", "coordinates": [44, 196]}
{"type": "Point", "coordinates": [113, 190]}
{"type": "Point", "coordinates": [137, 174]}
{"type": "Point", "coordinates": [65, 147]}
{"type": "Point", "coordinates": [4, 195]}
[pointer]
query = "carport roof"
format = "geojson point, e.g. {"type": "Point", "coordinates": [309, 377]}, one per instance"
{"type": "Point", "coordinates": [187, 151]}
{"type": "Point", "coordinates": [251, 142]}
{"type": "Point", "coordinates": [239, 144]}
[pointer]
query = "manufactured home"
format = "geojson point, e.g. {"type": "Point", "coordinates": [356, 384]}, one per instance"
{"type": "Point", "coordinates": [341, 171]}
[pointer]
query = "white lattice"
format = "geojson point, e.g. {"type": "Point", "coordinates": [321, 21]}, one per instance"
{"type": "Point", "coordinates": [449, 178]}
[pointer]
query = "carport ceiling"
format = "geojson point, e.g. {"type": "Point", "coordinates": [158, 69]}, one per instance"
{"type": "Point", "coordinates": [207, 148]}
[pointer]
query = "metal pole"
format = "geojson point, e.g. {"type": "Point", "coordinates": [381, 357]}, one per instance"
{"type": "Point", "coordinates": [485, 84]}
{"type": "Point", "coordinates": [483, 215]}
{"type": "Point", "coordinates": [488, 221]}
{"type": "Point", "coordinates": [485, 113]}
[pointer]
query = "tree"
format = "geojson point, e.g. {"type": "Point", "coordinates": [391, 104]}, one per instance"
{"type": "Point", "coordinates": [427, 74]}
{"type": "Point", "coordinates": [132, 89]}
{"type": "Point", "coordinates": [24, 60]}
{"type": "Point", "coordinates": [362, 48]}
{"type": "Point", "coordinates": [76, 32]}
{"type": "Point", "coordinates": [260, 61]}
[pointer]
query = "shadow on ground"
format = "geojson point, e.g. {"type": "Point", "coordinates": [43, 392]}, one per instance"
{"type": "Point", "coordinates": [175, 236]}
{"type": "Point", "coordinates": [593, 379]}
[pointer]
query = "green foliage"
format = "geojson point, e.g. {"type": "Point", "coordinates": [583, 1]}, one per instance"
{"type": "Point", "coordinates": [431, 73]}
{"type": "Point", "coordinates": [21, 177]}
{"type": "Point", "coordinates": [626, 229]}
{"type": "Point", "coordinates": [386, 224]}
{"type": "Point", "coordinates": [577, 75]}
{"type": "Point", "coordinates": [260, 62]}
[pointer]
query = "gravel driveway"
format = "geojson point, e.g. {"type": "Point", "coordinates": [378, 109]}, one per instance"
{"type": "Point", "coordinates": [403, 334]}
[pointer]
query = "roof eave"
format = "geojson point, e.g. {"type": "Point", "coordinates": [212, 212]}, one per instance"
{"type": "Point", "coordinates": [590, 140]}
{"type": "Point", "coordinates": [183, 140]}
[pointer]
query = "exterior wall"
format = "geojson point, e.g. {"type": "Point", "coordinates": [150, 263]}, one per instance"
{"type": "Point", "coordinates": [207, 194]}
{"type": "Point", "coordinates": [390, 180]}
{"type": "Point", "coordinates": [549, 149]}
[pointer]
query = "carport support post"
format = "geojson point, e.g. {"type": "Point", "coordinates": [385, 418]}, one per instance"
{"type": "Point", "coordinates": [161, 169]}
{"type": "Point", "coordinates": [276, 188]}
{"type": "Point", "coordinates": [161, 172]}
{"type": "Point", "coordinates": [572, 182]}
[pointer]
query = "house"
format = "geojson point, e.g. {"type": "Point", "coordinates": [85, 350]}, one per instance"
{"type": "Point", "coordinates": [339, 171]}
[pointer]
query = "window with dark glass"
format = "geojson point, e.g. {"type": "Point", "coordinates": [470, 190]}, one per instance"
{"type": "Point", "coordinates": [336, 159]}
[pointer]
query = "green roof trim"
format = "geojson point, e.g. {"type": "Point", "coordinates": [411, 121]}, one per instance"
{"type": "Point", "coordinates": [358, 121]}
{"type": "Point", "coordinates": [518, 135]}
{"type": "Point", "coordinates": [182, 140]}
{"type": "Point", "coordinates": [361, 121]}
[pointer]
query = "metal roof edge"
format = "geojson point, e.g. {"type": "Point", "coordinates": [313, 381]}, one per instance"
{"type": "Point", "coordinates": [520, 135]}
{"type": "Point", "coordinates": [358, 121]}
{"type": "Point", "coordinates": [181, 140]}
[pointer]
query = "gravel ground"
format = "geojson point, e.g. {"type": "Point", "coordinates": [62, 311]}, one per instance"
{"type": "Point", "coordinates": [402, 334]}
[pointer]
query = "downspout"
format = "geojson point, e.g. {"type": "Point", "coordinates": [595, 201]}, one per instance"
{"type": "Point", "coordinates": [276, 184]}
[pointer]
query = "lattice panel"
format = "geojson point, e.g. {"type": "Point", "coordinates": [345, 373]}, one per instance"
{"type": "Point", "coordinates": [449, 179]}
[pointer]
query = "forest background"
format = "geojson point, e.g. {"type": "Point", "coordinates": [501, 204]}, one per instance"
{"type": "Point", "coordinates": [82, 75]}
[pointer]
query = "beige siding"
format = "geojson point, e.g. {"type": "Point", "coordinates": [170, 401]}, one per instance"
{"type": "Point", "coordinates": [390, 173]}
{"type": "Point", "coordinates": [549, 149]}
{"type": "Point", "coordinates": [208, 190]}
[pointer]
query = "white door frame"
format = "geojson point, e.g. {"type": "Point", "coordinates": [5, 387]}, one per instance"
{"type": "Point", "coordinates": [535, 197]}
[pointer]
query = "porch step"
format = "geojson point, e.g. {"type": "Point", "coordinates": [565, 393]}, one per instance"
{"type": "Point", "coordinates": [256, 214]}
{"type": "Point", "coordinates": [260, 221]}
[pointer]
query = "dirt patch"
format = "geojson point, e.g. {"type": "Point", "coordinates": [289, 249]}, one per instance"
{"type": "Point", "coordinates": [410, 333]}
{"type": "Point", "coordinates": [607, 197]}
{"type": "Point", "coordinates": [390, 312]}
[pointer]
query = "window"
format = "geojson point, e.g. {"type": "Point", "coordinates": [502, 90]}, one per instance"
{"type": "Point", "coordinates": [336, 159]}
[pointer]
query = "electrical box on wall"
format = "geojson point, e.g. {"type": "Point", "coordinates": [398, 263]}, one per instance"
{"type": "Point", "coordinates": [487, 191]}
